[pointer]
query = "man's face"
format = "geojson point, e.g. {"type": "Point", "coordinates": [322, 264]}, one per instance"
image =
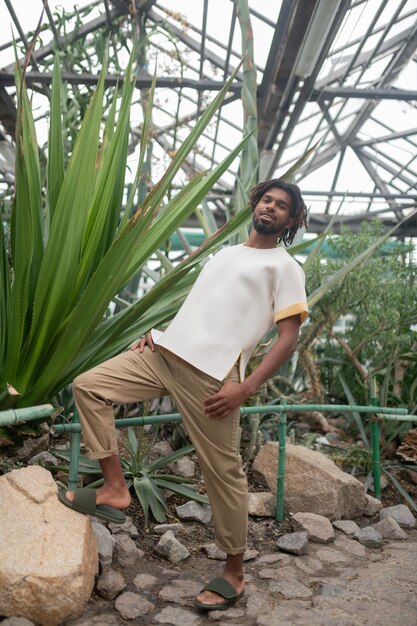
{"type": "Point", "coordinates": [272, 213]}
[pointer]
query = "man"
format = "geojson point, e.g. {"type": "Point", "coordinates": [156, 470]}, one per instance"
{"type": "Point", "coordinates": [200, 361]}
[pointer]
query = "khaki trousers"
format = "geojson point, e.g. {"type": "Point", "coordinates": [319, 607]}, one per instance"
{"type": "Point", "coordinates": [133, 377]}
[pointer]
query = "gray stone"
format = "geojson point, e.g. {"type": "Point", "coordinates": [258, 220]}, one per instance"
{"type": "Point", "coordinates": [278, 573]}
{"type": "Point", "coordinates": [233, 613]}
{"type": "Point", "coordinates": [31, 447]}
{"type": "Point", "coordinates": [309, 566]}
{"type": "Point", "coordinates": [131, 605]}
{"type": "Point", "coordinates": [313, 482]}
{"type": "Point", "coordinates": [213, 552]}
{"type": "Point", "coordinates": [105, 544]}
{"type": "Point", "coordinates": [259, 602]}
{"type": "Point", "coordinates": [390, 529]}
{"type": "Point", "coordinates": [250, 554]}
{"type": "Point", "coordinates": [176, 616]}
{"type": "Point", "coordinates": [318, 527]}
{"type": "Point", "coordinates": [17, 621]}
{"type": "Point", "coordinates": [104, 619]}
{"type": "Point", "coordinates": [262, 504]}
{"type": "Point", "coordinates": [181, 591]}
{"type": "Point", "coordinates": [294, 543]}
{"type": "Point", "coordinates": [350, 546]}
{"type": "Point", "coordinates": [128, 528]}
{"type": "Point", "coordinates": [43, 540]}
{"type": "Point", "coordinates": [290, 589]}
{"type": "Point", "coordinates": [170, 548]}
{"type": "Point", "coordinates": [110, 584]}
{"type": "Point", "coordinates": [369, 537]}
{"type": "Point", "coordinates": [347, 526]}
{"type": "Point", "coordinates": [330, 591]}
{"type": "Point", "coordinates": [162, 448]}
{"type": "Point", "coordinates": [329, 555]}
{"type": "Point", "coordinates": [177, 528]}
{"type": "Point", "coordinates": [126, 552]}
{"type": "Point", "coordinates": [194, 512]}
{"type": "Point", "coordinates": [400, 513]}
{"type": "Point", "coordinates": [185, 467]}
{"type": "Point", "coordinates": [144, 581]}
{"type": "Point", "coordinates": [43, 458]}
{"type": "Point", "coordinates": [268, 559]}
{"type": "Point", "coordinates": [373, 505]}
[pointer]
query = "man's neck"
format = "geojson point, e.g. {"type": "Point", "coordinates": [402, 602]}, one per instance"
{"type": "Point", "coordinates": [256, 240]}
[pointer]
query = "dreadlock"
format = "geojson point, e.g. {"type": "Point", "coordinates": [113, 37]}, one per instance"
{"type": "Point", "coordinates": [298, 207]}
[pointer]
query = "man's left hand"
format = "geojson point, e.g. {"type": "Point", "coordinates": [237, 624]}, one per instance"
{"type": "Point", "coordinates": [222, 403]}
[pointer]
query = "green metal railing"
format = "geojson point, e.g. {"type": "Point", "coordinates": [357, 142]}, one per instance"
{"type": "Point", "coordinates": [14, 416]}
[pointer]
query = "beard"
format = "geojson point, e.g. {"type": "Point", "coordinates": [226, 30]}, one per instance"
{"type": "Point", "coordinates": [266, 229]}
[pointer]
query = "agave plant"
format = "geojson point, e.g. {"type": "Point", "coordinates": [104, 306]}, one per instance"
{"type": "Point", "coordinates": [74, 251]}
{"type": "Point", "coordinates": [144, 475]}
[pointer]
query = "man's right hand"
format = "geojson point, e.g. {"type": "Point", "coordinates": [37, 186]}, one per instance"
{"type": "Point", "coordinates": [145, 341]}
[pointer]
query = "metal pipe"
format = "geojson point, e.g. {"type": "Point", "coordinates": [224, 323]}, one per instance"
{"type": "Point", "coordinates": [376, 465]}
{"type": "Point", "coordinates": [27, 414]}
{"type": "Point", "coordinates": [282, 436]}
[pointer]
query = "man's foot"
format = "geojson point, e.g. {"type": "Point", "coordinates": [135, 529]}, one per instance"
{"type": "Point", "coordinates": [117, 498]}
{"type": "Point", "coordinates": [210, 598]}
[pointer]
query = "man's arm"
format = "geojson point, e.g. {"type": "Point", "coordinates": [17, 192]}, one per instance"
{"type": "Point", "coordinates": [232, 395]}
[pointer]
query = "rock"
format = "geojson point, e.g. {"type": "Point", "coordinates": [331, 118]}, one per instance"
{"type": "Point", "coordinates": [105, 544]}
{"type": "Point", "coordinates": [290, 589]}
{"type": "Point", "coordinates": [268, 559]}
{"type": "Point", "coordinates": [389, 528]}
{"type": "Point", "coordinates": [104, 619]}
{"type": "Point", "coordinates": [262, 504]}
{"type": "Point", "coordinates": [31, 447]}
{"type": "Point", "coordinates": [259, 602]}
{"type": "Point", "coordinates": [213, 552]}
{"type": "Point", "coordinates": [369, 537]}
{"type": "Point", "coordinates": [294, 543]}
{"type": "Point", "coordinates": [170, 548]}
{"type": "Point", "coordinates": [43, 458]}
{"type": "Point", "coordinates": [347, 526]}
{"type": "Point", "coordinates": [131, 605]}
{"type": "Point", "coordinates": [177, 528]}
{"type": "Point", "coordinates": [313, 483]}
{"type": "Point", "coordinates": [373, 505]}
{"type": "Point", "coordinates": [319, 528]}
{"type": "Point", "coordinates": [330, 591]}
{"type": "Point", "coordinates": [185, 467]}
{"type": "Point", "coordinates": [177, 617]}
{"type": "Point", "coordinates": [144, 581]}
{"type": "Point", "coordinates": [17, 621]}
{"type": "Point", "coordinates": [350, 546]}
{"type": "Point", "coordinates": [194, 512]}
{"type": "Point", "coordinates": [126, 552]}
{"type": "Point", "coordinates": [48, 552]}
{"type": "Point", "coordinates": [162, 448]}
{"type": "Point", "coordinates": [233, 613]}
{"type": "Point", "coordinates": [329, 555]}
{"type": "Point", "coordinates": [309, 566]}
{"type": "Point", "coordinates": [400, 513]}
{"type": "Point", "coordinates": [180, 591]}
{"type": "Point", "coordinates": [110, 584]}
{"type": "Point", "coordinates": [278, 573]}
{"type": "Point", "coordinates": [250, 555]}
{"type": "Point", "coordinates": [128, 528]}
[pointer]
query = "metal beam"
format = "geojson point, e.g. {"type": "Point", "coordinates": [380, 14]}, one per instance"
{"type": "Point", "coordinates": [142, 82]}
{"type": "Point", "coordinates": [390, 137]}
{"type": "Point", "coordinates": [366, 94]}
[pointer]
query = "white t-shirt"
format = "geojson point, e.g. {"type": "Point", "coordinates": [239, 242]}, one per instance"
{"type": "Point", "coordinates": [240, 293]}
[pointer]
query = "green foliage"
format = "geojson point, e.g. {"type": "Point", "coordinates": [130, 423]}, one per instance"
{"type": "Point", "coordinates": [72, 255]}
{"type": "Point", "coordinates": [147, 477]}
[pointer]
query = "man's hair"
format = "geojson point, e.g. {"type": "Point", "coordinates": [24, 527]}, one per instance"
{"type": "Point", "coordinates": [298, 207]}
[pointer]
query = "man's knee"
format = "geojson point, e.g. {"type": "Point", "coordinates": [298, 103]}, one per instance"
{"type": "Point", "coordinates": [82, 383]}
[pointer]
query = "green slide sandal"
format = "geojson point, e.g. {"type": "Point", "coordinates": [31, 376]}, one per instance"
{"type": "Point", "coordinates": [85, 502]}
{"type": "Point", "coordinates": [223, 589]}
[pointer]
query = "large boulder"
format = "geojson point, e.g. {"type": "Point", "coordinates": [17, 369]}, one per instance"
{"type": "Point", "coordinates": [313, 483]}
{"type": "Point", "coordinates": [48, 552]}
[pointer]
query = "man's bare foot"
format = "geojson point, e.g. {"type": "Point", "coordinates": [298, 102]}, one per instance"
{"type": "Point", "coordinates": [210, 598]}
{"type": "Point", "coordinates": [118, 498]}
